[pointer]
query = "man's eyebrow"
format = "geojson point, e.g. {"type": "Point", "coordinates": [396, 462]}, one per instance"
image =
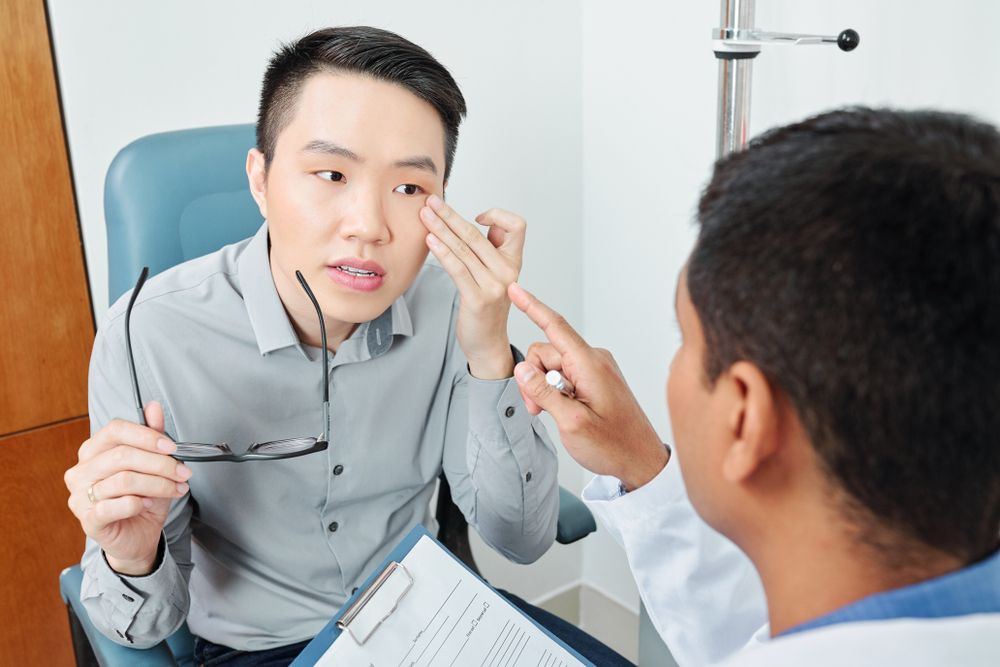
{"type": "Point", "coordinates": [418, 162]}
{"type": "Point", "coordinates": [330, 148]}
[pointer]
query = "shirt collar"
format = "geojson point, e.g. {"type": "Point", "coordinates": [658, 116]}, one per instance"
{"type": "Point", "coordinates": [271, 326]}
{"type": "Point", "coordinates": [972, 590]}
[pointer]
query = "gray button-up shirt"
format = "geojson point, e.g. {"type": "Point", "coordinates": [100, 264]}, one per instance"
{"type": "Point", "coordinates": [262, 554]}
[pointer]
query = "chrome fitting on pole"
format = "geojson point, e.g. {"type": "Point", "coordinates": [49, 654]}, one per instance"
{"type": "Point", "coordinates": [736, 43]}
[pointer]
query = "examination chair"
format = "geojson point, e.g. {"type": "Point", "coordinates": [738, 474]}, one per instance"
{"type": "Point", "coordinates": [169, 198]}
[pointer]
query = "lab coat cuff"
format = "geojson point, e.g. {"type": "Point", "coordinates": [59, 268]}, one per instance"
{"type": "Point", "coordinates": [620, 512]}
{"type": "Point", "coordinates": [668, 484]}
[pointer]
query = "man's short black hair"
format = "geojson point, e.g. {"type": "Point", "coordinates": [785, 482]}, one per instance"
{"type": "Point", "coordinates": [372, 52]}
{"type": "Point", "coordinates": [854, 258]}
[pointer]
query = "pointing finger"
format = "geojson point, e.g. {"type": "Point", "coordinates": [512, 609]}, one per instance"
{"type": "Point", "coordinates": [563, 337]}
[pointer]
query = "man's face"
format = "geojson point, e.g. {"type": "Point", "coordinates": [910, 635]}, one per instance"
{"type": "Point", "coordinates": [341, 196]}
{"type": "Point", "coordinates": [697, 414]}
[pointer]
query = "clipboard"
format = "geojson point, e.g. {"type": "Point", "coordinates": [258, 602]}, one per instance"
{"type": "Point", "coordinates": [384, 588]}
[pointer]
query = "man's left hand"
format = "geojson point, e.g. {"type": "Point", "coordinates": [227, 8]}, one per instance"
{"type": "Point", "coordinates": [482, 268]}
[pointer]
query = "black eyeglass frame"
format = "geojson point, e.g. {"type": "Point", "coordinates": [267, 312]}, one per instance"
{"type": "Point", "coordinates": [252, 454]}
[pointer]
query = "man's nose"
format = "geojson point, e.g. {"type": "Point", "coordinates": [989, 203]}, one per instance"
{"type": "Point", "coordinates": [365, 221]}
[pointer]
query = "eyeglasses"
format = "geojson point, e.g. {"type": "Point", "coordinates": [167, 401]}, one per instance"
{"type": "Point", "coordinates": [264, 451]}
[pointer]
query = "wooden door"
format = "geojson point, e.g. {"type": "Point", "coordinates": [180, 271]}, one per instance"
{"type": "Point", "coordinates": [40, 538]}
{"type": "Point", "coordinates": [46, 332]}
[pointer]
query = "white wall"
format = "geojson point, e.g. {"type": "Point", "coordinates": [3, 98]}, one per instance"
{"type": "Point", "coordinates": [649, 109]}
{"type": "Point", "coordinates": [913, 54]}
{"type": "Point", "coordinates": [648, 140]}
{"type": "Point", "coordinates": [128, 69]}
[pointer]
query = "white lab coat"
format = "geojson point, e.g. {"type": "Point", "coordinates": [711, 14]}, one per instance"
{"type": "Point", "coordinates": [707, 603]}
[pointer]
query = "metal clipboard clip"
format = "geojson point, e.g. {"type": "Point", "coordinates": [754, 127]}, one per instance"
{"type": "Point", "coordinates": [377, 603]}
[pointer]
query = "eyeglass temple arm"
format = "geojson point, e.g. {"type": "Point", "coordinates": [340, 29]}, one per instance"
{"type": "Point", "coordinates": [326, 422]}
{"type": "Point", "coordinates": [326, 364]}
{"type": "Point", "coordinates": [140, 415]}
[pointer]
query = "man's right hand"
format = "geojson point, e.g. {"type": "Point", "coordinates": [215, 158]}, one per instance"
{"type": "Point", "coordinates": [128, 471]}
{"type": "Point", "coordinates": [602, 427]}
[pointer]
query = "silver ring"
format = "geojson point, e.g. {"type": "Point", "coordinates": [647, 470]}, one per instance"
{"type": "Point", "coordinates": [90, 494]}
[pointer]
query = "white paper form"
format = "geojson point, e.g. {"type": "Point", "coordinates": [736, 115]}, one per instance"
{"type": "Point", "coordinates": [449, 618]}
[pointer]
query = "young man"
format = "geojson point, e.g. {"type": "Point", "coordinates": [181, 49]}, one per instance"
{"type": "Point", "coordinates": [834, 404]}
{"type": "Point", "coordinates": [356, 135]}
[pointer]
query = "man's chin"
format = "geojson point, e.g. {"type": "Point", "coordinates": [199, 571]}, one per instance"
{"type": "Point", "coordinates": [355, 308]}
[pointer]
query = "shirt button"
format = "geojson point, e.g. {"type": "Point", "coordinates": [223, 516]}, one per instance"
{"type": "Point", "coordinates": [129, 598]}
{"type": "Point", "coordinates": [337, 469]}
{"type": "Point", "coordinates": [509, 411]}
{"type": "Point", "coordinates": [527, 478]}
{"type": "Point", "coordinates": [333, 527]}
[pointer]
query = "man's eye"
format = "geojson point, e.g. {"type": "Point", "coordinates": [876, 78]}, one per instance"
{"type": "Point", "coordinates": [335, 176]}
{"type": "Point", "coordinates": [408, 189]}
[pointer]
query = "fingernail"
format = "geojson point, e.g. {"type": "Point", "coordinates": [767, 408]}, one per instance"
{"type": "Point", "coordinates": [524, 372]}
{"type": "Point", "coordinates": [147, 503]}
{"type": "Point", "coordinates": [427, 215]}
{"type": "Point", "coordinates": [183, 471]}
{"type": "Point", "coordinates": [433, 240]}
{"type": "Point", "coordinates": [166, 446]}
{"type": "Point", "coordinates": [434, 202]}
{"type": "Point", "coordinates": [182, 488]}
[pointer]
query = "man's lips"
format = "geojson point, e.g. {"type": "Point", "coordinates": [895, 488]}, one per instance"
{"type": "Point", "coordinates": [360, 265]}
{"type": "Point", "coordinates": [356, 274]}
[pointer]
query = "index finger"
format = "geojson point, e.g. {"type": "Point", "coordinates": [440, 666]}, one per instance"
{"type": "Point", "coordinates": [121, 432]}
{"type": "Point", "coordinates": [562, 336]}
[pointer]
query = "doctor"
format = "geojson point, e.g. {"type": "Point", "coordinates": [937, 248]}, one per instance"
{"type": "Point", "coordinates": [834, 403]}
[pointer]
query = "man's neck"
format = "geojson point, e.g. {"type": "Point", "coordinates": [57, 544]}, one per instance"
{"type": "Point", "coordinates": [303, 315]}
{"type": "Point", "coordinates": [813, 568]}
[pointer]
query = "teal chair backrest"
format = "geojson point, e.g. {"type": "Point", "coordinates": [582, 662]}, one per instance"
{"type": "Point", "coordinates": [174, 196]}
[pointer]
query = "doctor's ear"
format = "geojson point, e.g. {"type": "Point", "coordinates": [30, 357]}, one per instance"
{"type": "Point", "coordinates": [753, 422]}
{"type": "Point", "coordinates": [257, 178]}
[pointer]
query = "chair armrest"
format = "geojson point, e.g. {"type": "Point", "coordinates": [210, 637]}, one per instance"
{"type": "Point", "coordinates": [575, 520]}
{"type": "Point", "coordinates": [107, 652]}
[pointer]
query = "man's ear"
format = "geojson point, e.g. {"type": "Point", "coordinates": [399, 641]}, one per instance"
{"type": "Point", "coordinates": [257, 178]}
{"type": "Point", "coordinates": [753, 422]}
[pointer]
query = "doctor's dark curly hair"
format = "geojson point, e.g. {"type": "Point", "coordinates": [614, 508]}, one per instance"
{"type": "Point", "coordinates": [854, 257]}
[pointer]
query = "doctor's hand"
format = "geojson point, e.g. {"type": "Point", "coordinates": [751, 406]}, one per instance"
{"type": "Point", "coordinates": [603, 427]}
{"type": "Point", "coordinates": [121, 489]}
{"type": "Point", "coordinates": [482, 268]}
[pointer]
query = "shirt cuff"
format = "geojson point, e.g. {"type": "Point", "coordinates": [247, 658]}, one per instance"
{"type": "Point", "coordinates": [497, 410]}
{"type": "Point", "coordinates": [122, 596]}
{"type": "Point", "coordinates": [497, 413]}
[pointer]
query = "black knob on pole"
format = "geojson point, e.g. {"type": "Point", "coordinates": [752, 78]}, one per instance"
{"type": "Point", "coordinates": [848, 40]}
